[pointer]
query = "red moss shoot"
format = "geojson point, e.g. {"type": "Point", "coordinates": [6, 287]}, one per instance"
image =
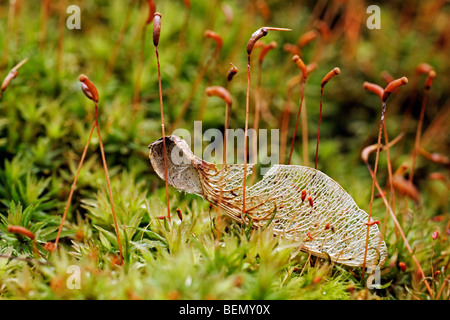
{"type": "Point", "coordinates": [156, 35]}
{"type": "Point", "coordinates": [387, 91]}
{"type": "Point", "coordinates": [299, 62]}
{"type": "Point", "coordinates": [21, 230]}
{"type": "Point", "coordinates": [258, 34]}
{"type": "Point", "coordinates": [325, 80]}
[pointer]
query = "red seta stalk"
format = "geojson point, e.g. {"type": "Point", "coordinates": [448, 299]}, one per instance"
{"type": "Point", "coordinates": [325, 80]}
{"type": "Point", "coordinates": [156, 34]}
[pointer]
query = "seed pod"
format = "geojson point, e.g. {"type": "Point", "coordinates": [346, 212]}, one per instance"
{"type": "Point", "coordinates": [219, 92]}
{"type": "Point", "coordinates": [21, 230]}
{"type": "Point", "coordinates": [291, 48]}
{"type": "Point", "coordinates": [49, 246]}
{"type": "Point", "coordinates": [265, 50]}
{"type": "Point", "coordinates": [406, 187]}
{"type": "Point", "coordinates": [258, 34]}
{"type": "Point", "coordinates": [231, 73]}
{"type": "Point", "coordinates": [373, 88]}
{"type": "Point", "coordinates": [156, 28]}
{"type": "Point", "coordinates": [392, 86]}
{"type": "Point", "coordinates": [435, 235]}
{"type": "Point", "coordinates": [88, 88]}
{"type": "Point", "coordinates": [429, 80]}
{"type": "Point", "coordinates": [151, 11]}
{"type": "Point", "coordinates": [424, 68]}
{"type": "Point", "coordinates": [299, 62]}
{"type": "Point", "coordinates": [212, 35]}
{"type": "Point", "coordinates": [11, 75]}
{"type": "Point", "coordinates": [179, 214]}
{"type": "Point", "coordinates": [402, 266]}
{"type": "Point", "coordinates": [306, 38]}
{"type": "Point", "coordinates": [330, 75]}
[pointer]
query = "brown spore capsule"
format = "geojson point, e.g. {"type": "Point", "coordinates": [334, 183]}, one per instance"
{"type": "Point", "coordinates": [156, 28]}
{"type": "Point", "coordinates": [329, 76]}
{"type": "Point", "coordinates": [299, 62]}
{"type": "Point", "coordinates": [392, 86]}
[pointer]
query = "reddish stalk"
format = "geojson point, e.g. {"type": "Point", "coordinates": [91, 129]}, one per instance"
{"type": "Point", "coordinates": [27, 233]}
{"type": "Point", "coordinates": [109, 184]}
{"type": "Point", "coordinates": [302, 66]}
{"type": "Point", "coordinates": [258, 34]}
{"type": "Point", "coordinates": [399, 228]}
{"type": "Point", "coordinates": [386, 93]}
{"type": "Point", "coordinates": [428, 83]}
{"type": "Point", "coordinates": [156, 34]}
{"type": "Point", "coordinates": [379, 91]}
{"type": "Point", "coordinates": [91, 92]}
{"type": "Point", "coordinates": [325, 80]}
{"type": "Point", "coordinates": [423, 68]}
{"type": "Point", "coordinates": [72, 189]}
{"type": "Point", "coordinates": [224, 94]}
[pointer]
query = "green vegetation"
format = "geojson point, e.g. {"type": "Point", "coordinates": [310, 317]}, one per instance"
{"type": "Point", "coordinates": [45, 120]}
